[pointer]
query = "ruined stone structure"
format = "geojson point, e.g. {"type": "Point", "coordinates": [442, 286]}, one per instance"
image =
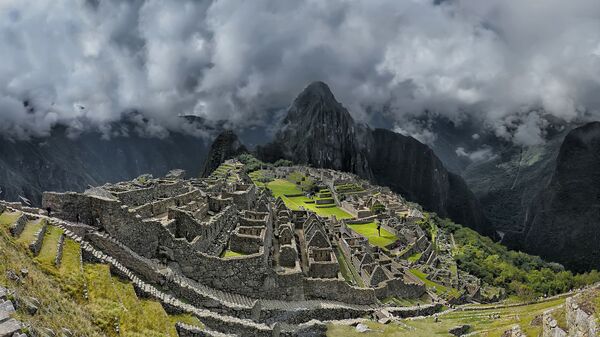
{"type": "Point", "coordinates": [239, 259]}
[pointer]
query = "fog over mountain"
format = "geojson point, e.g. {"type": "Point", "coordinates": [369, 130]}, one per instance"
{"type": "Point", "coordinates": [501, 63]}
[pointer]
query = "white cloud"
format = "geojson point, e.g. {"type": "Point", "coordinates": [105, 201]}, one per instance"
{"type": "Point", "coordinates": [481, 154]}
{"type": "Point", "coordinates": [227, 59]}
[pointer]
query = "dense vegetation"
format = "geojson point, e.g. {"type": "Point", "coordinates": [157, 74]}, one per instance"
{"type": "Point", "coordinates": [252, 164]}
{"type": "Point", "coordinates": [521, 274]}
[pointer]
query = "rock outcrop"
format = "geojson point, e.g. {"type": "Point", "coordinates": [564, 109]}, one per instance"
{"type": "Point", "coordinates": [225, 146]}
{"type": "Point", "coordinates": [319, 131]}
{"type": "Point", "coordinates": [562, 222]}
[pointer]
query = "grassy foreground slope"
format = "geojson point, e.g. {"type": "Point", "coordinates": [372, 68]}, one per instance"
{"type": "Point", "coordinates": [82, 298]}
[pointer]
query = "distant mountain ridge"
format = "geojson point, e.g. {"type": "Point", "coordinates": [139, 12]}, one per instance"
{"type": "Point", "coordinates": [563, 221]}
{"type": "Point", "coordinates": [319, 131]}
{"type": "Point", "coordinates": [62, 163]}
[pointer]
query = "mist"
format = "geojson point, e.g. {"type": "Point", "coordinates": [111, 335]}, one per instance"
{"type": "Point", "coordinates": [504, 63]}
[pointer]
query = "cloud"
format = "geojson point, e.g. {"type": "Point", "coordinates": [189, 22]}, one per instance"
{"type": "Point", "coordinates": [484, 153]}
{"type": "Point", "coordinates": [86, 63]}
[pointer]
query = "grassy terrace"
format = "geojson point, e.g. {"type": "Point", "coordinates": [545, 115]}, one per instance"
{"type": "Point", "coordinates": [369, 230]}
{"type": "Point", "coordinates": [439, 289]}
{"type": "Point", "coordinates": [230, 253]}
{"type": "Point", "coordinates": [8, 218]}
{"type": "Point", "coordinates": [478, 318]}
{"type": "Point", "coordinates": [281, 188]}
{"type": "Point", "coordinates": [348, 271]}
{"type": "Point", "coordinates": [60, 290]}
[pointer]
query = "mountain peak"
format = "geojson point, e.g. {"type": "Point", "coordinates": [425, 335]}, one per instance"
{"type": "Point", "coordinates": [225, 146]}
{"type": "Point", "coordinates": [317, 103]}
{"type": "Point", "coordinates": [317, 89]}
{"type": "Point", "coordinates": [316, 93]}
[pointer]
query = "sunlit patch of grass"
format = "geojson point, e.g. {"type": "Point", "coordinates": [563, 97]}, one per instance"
{"type": "Point", "coordinates": [30, 230]}
{"type": "Point", "coordinates": [105, 308]}
{"type": "Point", "coordinates": [281, 188]}
{"type": "Point", "coordinates": [414, 258]}
{"type": "Point", "coordinates": [348, 271]}
{"type": "Point", "coordinates": [146, 317]}
{"type": "Point", "coordinates": [369, 230]}
{"type": "Point", "coordinates": [70, 271]}
{"type": "Point", "coordinates": [47, 255]}
{"type": "Point", "coordinates": [8, 218]}
{"type": "Point", "coordinates": [230, 253]}
{"type": "Point", "coordinates": [56, 311]}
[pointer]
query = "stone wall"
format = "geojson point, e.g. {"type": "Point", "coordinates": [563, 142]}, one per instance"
{"type": "Point", "coordinates": [580, 320]}
{"type": "Point", "coordinates": [242, 242]}
{"type": "Point", "coordinates": [399, 288]}
{"type": "Point", "coordinates": [67, 205]}
{"type": "Point", "coordinates": [338, 290]}
{"type": "Point", "coordinates": [550, 326]}
{"type": "Point", "coordinates": [17, 228]}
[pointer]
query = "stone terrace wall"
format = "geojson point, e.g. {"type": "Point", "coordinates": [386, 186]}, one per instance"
{"type": "Point", "coordinates": [140, 196]}
{"type": "Point", "coordinates": [185, 225]}
{"type": "Point", "coordinates": [338, 290]}
{"type": "Point", "coordinates": [400, 289]}
{"type": "Point", "coordinates": [67, 205]}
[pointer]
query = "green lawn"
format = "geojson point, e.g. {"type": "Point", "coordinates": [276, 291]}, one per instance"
{"type": "Point", "coordinates": [369, 230]}
{"type": "Point", "coordinates": [280, 187]}
{"type": "Point", "coordinates": [30, 230]}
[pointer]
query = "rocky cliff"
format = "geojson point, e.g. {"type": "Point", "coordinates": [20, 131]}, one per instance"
{"type": "Point", "coordinates": [225, 146]}
{"type": "Point", "coordinates": [562, 222]}
{"type": "Point", "coordinates": [319, 131]}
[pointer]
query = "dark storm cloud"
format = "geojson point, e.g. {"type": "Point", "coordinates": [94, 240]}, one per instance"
{"type": "Point", "coordinates": [84, 63]}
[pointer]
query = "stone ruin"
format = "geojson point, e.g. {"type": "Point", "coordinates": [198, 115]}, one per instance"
{"type": "Point", "coordinates": [175, 236]}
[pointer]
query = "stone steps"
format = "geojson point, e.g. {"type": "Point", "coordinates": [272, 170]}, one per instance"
{"type": "Point", "coordinates": [230, 302]}
{"type": "Point", "coordinates": [185, 330]}
{"type": "Point", "coordinates": [212, 320]}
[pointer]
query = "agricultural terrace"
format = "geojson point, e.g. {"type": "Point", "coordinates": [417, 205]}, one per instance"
{"type": "Point", "coordinates": [369, 230]}
{"type": "Point", "coordinates": [295, 198]}
{"type": "Point", "coordinates": [484, 321]}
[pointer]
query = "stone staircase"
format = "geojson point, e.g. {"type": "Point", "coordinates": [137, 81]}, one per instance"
{"type": "Point", "coordinates": [227, 313]}
{"type": "Point", "coordinates": [215, 321]}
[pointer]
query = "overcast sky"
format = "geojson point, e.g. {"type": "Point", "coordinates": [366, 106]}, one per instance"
{"type": "Point", "coordinates": [84, 63]}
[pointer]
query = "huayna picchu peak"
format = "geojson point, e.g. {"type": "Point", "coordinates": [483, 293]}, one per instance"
{"type": "Point", "coordinates": [320, 132]}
